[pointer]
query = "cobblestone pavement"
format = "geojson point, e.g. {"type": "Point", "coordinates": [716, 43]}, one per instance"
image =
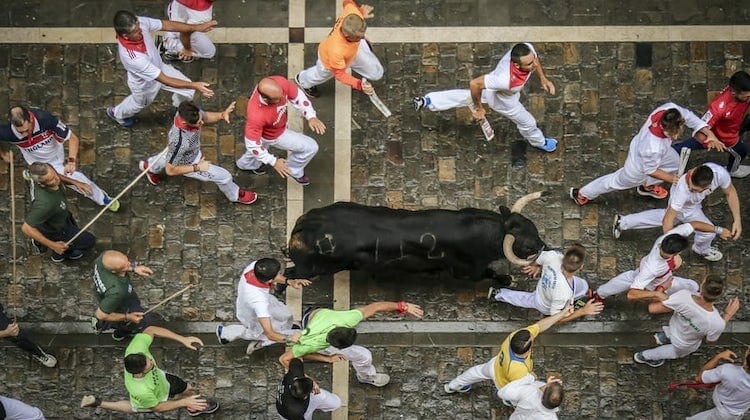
{"type": "Point", "coordinates": [184, 228]}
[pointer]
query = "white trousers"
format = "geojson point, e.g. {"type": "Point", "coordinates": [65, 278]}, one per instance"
{"type": "Point", "coordinates": [18, 410]}
{"type": "Point", "coordinates": [713, 414]}
{"type": "Point", "coordinates": [359, 357]}
{"type": "Point", "coordinates": [365, 63]}
{"type": "Point", "coordinates": [200, 44]}
{"type": "Point", "coordinates": [623, 281]}
{"type": "Point", "coordinates": [324, 401]}
{"type": "Point", "coordinates": [143, 94]}
{"type": "Point", "coordinates": [652, 218]}
{"type": "Point", "coordinates": [97, 194]}
{"type": "Point", "coordinates": [474, 374]}
{"type": "Point", "coordinates": [532, 300]}
{"type": "Point", "coordinates": [623, 180]}
{"type": "Point", "coordinates": [303, 148]}
{"type": "Point", "coordinates": [670, 351]}
{"type": "Point", "coordinates": [216, 174]}
{"type": "Point", "coordinates": [239, 331]}
{"type": "Point", "coordinates": [509, 106]}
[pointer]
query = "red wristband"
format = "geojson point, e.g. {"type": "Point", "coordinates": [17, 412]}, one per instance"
{"type": "Point", "coordinates": [402, 306]}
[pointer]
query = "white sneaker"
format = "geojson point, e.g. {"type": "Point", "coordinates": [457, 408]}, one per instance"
{"type": "Point", "coordinates": [616, 231]}
{"type": "Point", "coordinates": [712, 254]}
{"type": "Point", "coordinates": [741, 172]}
{"type": "Point", "coordinates": [254, 345]}
{"type": "Point", "coordinates": [380, 379]}
{"type": "Point", "coordinates": [46, 359]}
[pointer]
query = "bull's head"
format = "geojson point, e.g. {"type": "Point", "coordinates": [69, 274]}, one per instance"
{"type": "Point", "coordinates": [521, 241]}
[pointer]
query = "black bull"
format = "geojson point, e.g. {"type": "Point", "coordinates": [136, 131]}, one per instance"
{"type": "Point", "coordinates": [380, 240]}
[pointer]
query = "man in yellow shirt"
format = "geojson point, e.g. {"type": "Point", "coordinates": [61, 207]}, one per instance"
{"type": "Point", "coordinates": [512, 362]}
{"type": "Point", "coordinates": [344, 47]}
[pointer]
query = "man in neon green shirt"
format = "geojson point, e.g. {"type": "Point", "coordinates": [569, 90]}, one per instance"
{"type": "Point", "coordinates": [329, 335]}
{"type": "Point", "coordinates": [150, 388]}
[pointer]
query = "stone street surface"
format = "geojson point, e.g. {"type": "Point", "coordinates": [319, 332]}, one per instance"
{"type": "Point", "coordinates": [186, 230]}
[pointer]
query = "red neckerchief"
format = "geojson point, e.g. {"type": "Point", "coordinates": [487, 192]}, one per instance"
{"type": "Point", "coordinates": [655, 126]}
{"type": "Point", "coordinates": [182, 125]}
{"type": "Point", "coordinates": [139, 46]}
{"type": "Point", "coordinates": [671, 263]}
{"type": "Point", "coordinates": [517, 76]}
{"type": "Point", "coordinates": [253, 281]}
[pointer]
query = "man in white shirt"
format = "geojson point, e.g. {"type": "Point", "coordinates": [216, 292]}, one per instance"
{"type": "Point", "coordinates": [651, 159]}
{"type": "Point", "coordinates": [558, 285]}
{"type": "Point", "coordinates": [501, 90]}
{"type": "Point", "coordinates": [147, 73]}
{"type": "Point", "coordinates": [265, 320]}
{"type": "Point", "coordinates": [732, 394]}
{"type": "Point", "coordinates": [534, 400]}
{"type": "Point", "coordinates": [685, 201]}
{"type": "Point", "coordinates": [186, 46]}
{"type": "Point", "coordinates": [694, 318]}
{"type": "Point", "coordinates": [653, 279]}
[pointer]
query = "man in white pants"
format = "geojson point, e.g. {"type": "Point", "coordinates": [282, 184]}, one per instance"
{"type": "Point", "coordinates": [501, 90]}
{"type": "Point", "coordinates": [332, 333]}
{"type": "Point", "coordinates": [267, 126]}
{"type": "Point", "coordinates": [184, 157]}
{"type": "Point", "coordinates": [264, 319]}
{"type": "Point", "coordinates": [345, 47]}
{"type": "Point", "coordinates": [651, 159]}
{"type": "Point", "coordinates": [694, 318]}
{"type": "Point", "coordinates": [732, 393]}
{"type": "Point", "coordinates": [685, 201]}
{"type": "Point", "coordinates": [299, 396]}
{"type": "Point", "coordinates": [40, 136]}
{"type": "Point", "coordinates": [185, 46]}
{"type": "Point", "coordinates": [534, 400]}
{"type": "Point", "coordinates": [558, 285]}
{"type": "Point", "coordinates": [11, 409]}
{"type": "Point", "coordinates": [653, 279]}
{"type": "Point", "coordinates": [147, 73]}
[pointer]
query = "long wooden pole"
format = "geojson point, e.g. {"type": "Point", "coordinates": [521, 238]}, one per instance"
{"type": "Point", "coordinates": [13, 288]}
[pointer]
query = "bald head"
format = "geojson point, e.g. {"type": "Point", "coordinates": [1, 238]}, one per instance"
{"type": "Point", "coordinates": [116, 262]}
{"type": "Point", "coordinates": [270, 91]}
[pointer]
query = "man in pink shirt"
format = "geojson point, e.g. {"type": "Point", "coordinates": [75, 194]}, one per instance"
{"type": "Point", "coordinates": [267, 126]}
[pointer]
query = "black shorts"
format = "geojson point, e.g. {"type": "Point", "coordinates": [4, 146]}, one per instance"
{"type": "Point", "coordinates": [176, 385]}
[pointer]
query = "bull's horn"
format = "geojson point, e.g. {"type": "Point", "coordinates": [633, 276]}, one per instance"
{"type": "Point", "coordinates": [526, 199]}
{"type": "Point", "coordinates": [509, 254]}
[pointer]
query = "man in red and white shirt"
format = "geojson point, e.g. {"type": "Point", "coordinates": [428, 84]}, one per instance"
{"type": "Point", "coordinates": [725, 117]}
{"type": "Point", "coordinates": [501, 90]}
{"type": "Point", "coordinates": [183, 45]}
{"type": "Point", "coordinates": [267, 126]}
{"type": "Point", "coordinates": [147, 74]}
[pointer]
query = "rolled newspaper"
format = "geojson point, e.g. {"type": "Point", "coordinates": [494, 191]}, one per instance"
{"type": "Point", "coordinates": [378, 103]}
{"type": "Point", "coordinates": [489, 133]}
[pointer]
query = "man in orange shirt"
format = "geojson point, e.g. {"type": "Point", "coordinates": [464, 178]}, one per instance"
{"type": "Point", "coordinates": [344, 47]}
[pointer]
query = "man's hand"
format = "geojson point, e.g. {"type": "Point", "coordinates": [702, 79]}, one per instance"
{"type": "Point", "coordinates": [366, 10]}
{"type": "Point", "coordinates": [478, 112]}
{"type": "Point", "coordinates": [186, 54]}
{"type": "Point", "coordinates": [142, 270]}
{"type": "Point", "coordinates": [548, 86]}
{"type": "Point", "coordinates": [59, 247]}
{"type": "Point", "coordinates": [414, 310]}
{"type": "Point", "coordinates": [225, 114]}
{"type": "Point", "coordinates": [281, 168]}
{"type": "Point", "coordinates": [193, 343]}
{"type": "Point", "coordinates": [206, 26]}
{"type": "Point", "coordinates": [532, 270]}
{"type": "Point", "coordinates": [725, 234]}
{"type": "Point", "coordinates": [84, 187]}
{"type": "Point", "coordinates": [367, 88]}
{"type": "Point", "coordinates": [336, 358]}
{"type": "Point", "coordinates": [732, 307]}
{"type": "Point", "coordinates": [316, 125]}
{"type": "Point", "coordinates": [5, 156]}
{"type": "Point", "coordinates": [714, 144]}
{"type": "Point", "coordinates": [202, 87]}
{"type": "Point", "coordinates": [134, 317]}
{"type": "Point", "coordinates": [727, 355]}
{"type": "Point", "coordinates": [298, 283]}
{"type": "Point", "coordinates": [568, 311]}
{"type": "Point", "coordinates": [592, 307]}
{"type": "Point", "coordinates": [70, 167]}
{"type": "Point", "coordinates": [660, 296]}
{"type": "Point", "coordinates": [11, 330]}
{"type": "Point", "coordinates": [316, 387]}
{"type": "Point", "coordinates": [736, 229]}
{"type": "Point", "coordinates": [203, 165]}
{"type": "Point", "coordinates": [194, 403]}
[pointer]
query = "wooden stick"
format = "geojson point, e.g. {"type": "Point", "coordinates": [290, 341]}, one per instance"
{"type": "Point", "coordinates": [174, 295]}
{"type": "Point", "coordinates": [142, 174]}
{"type": "Point", "coordinates": [13, 229]}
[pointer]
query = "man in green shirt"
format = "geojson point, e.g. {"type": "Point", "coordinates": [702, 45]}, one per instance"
{"type": "Point", "coordinates": [48, 222]}
{"type": "Point", "coordinates": [119, 306]}
{"type": "Point", "coordinates": [150, 388]}
{"type": "Point", "coordinates": [331, 333]}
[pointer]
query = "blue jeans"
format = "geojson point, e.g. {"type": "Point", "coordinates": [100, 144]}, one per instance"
{"type": "Point", "coordinates": [21, 340]}
{"type": "Point", "coordinates": [736, 152]}
{"type": "Point", "coordinates": [84, 242]}
{"type": "Point", "coordinates": [124, 329]}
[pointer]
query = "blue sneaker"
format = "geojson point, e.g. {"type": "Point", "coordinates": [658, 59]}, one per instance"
{"type": "Point", "coordinates": [550, 145]}
{"type": "Point", "coordinates": [661, 338]}
{"type": "Point", "coordinates": [114, 206]}
{"type": "Point", "coordinates": [219, 330]}
{"type": "Point", "coordinates": [449, 390]}
{"type": "Point", "coordinates": [125, 122]}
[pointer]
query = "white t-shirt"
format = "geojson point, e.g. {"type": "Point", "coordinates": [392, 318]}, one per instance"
{"type": "Point", "coordinates": [527, 396]}
{"type": "Point", "coordinates": [507, 80]}
{"type": "Point", "coordinates": [733, 393]}
{"type": "Point", "coordinates": [690, 322]}
{"type": "Point", "coordinates": [655, 270]}
{"type": "Point", "coordinates": [255, 302]}
{"type": "Point", "coordinates": [647, 149]}
{"type": "Point", "coordinates": [553, 290]}
{"type": "Point", "coordinates": [142, 68]}
{"type": "Point", "coordinates": [682, 200]}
